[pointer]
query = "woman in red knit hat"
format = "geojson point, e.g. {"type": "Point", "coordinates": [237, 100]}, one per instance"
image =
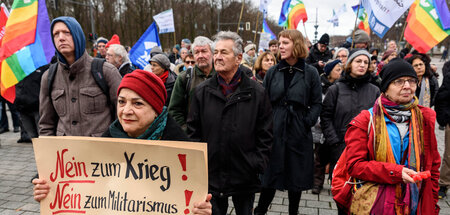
{"type": "Point", "coordinates": [141, 114]}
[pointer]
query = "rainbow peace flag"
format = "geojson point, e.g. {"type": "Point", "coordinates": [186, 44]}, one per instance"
{"type": "Point", "coordinates": [362, 15]}
{"type": "Point", "coordinates": [296, 14]}
{"type": "Point", "coordinates": [266, 29]}
{"type": "Point", "coordinates": [424, 29]}
{"type": "Point", "coordinates": [27, 44]}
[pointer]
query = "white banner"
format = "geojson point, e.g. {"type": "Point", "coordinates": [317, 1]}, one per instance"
{"type": "Point", "coordinates": [264, 40]}
{"type": "Point", "coordinates": [384, 13]}
{"type": "Point", "coordinates": [263, 6]}
{"type": "Point", "coordinates": [165, 22]}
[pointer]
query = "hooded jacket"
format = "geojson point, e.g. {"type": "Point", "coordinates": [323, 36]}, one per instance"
{"type": "Point", "coordinates": [76, 105]}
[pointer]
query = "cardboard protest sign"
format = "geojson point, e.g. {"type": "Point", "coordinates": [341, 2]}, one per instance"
{"type": "Point", "coordinates": [121, 176]}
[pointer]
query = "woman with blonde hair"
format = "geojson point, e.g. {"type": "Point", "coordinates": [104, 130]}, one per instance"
{"type": "Point", "coordinates": [295, 93]}
{"type": "Point", "coordinates": [262, 65]}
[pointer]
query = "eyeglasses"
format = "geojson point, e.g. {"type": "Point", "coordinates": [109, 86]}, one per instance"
{"type": "Point", "coordinates": [418, 65]}
{"type": "Point", "coordinates": [189, 62]}
{"type": "Point", "coordinates": [341, 56]}
{"type": "Point", "coordinates": [401, 82]}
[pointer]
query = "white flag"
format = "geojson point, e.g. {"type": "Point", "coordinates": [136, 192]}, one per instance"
{"type": "Point", "coordinates": [263, 6]}
{"type": "Point", "coordinates": [384, 13]}
{"type": "Point", "coordinates": [164, 20]}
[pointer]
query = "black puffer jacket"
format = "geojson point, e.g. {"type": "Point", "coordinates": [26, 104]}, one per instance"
{"type": "Point", "coordinates": [315, 56]}
{"type": "Point", "coordinates": [238, 130]}
{"type": "Point", "coordinates": [343, 101]}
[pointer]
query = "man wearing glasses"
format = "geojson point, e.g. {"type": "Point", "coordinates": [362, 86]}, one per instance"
{"type": "Point", "coordinates": [191, 78]}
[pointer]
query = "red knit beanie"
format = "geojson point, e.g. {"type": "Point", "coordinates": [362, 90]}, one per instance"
{"type": "Point", "coordinates": [114, 40]}
{"type": "Point", "coordinates": [149, 86]}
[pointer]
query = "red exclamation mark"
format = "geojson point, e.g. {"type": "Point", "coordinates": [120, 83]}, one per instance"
{"type": "Point", "coordinates": [182, 158]}
{"type": "Point", "coordinates": [188, 195]}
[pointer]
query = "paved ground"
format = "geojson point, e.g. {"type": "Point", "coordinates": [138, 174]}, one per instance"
{"type": "Point", "coordinates": [17, 166]}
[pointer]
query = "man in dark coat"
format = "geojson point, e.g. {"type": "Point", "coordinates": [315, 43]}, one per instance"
{"type": "Point", "coordinates": [320, 54]}
{"type": "Point", "coordinates": [233, 115]}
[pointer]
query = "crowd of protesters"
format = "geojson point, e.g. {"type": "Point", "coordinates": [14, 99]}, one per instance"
{"type": "Point", "coordinates": [277, 119]}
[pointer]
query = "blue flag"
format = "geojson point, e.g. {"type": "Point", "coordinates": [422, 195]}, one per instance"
{"type": "Point", "coordinates": [140, 53]}
{"type": "Point", "coordinates": [282, 21]}
{"type": "Point", "coordinates": [443, 13]}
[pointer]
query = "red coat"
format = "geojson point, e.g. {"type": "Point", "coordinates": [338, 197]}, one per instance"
{"type": "Point", "coordinates": [362, 165]}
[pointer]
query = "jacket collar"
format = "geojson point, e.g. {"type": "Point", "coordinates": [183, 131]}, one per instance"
{"type": "Point", "coordinates": [299, 66]}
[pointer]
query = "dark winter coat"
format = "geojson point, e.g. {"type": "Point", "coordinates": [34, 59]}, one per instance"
{"type": "Point", "coordinates": [27, 91]}
{"type": "Point", "coordinates": [126, 68]}
{"type": "Point", "coordinates": [238, 130]}
{"type": "Point", "coordinates": [170, 82]}
{"type": "Point", "coordinates": [325, 83]}
{"type": "Point", "coordinates": [295, 111]}
{"type": "Point", "coordinates": [172, 131]}
{"type": "Point", "coordinates": [315, 56]}
{"type": "Point", "coordinates": [343, 101]}
{"type": "Point", "coordinates": [442, 105]}
{"type": "Point", "coordinates": [434, 87]}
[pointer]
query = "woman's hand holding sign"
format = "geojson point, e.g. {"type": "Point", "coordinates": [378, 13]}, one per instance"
{"type": "Point", "coordinates": [41, 189]}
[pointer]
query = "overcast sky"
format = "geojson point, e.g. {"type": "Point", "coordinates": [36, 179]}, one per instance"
{"type": "Point", "coordinates": [325, 12]}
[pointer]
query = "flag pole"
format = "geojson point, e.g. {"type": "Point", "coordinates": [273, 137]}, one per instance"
{"type": "Point", "coordinates": [354, 29]}
{"type": "Point", "coordinates": [240, 16]}
{"type": "Point", "coordinates": [256, 28]}
{"type": "Point", "coordinates": [304, 28]}
{"type": "Point", "coordinates": [174, 38]}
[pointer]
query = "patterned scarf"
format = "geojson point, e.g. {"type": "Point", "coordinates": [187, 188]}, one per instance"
{"type": "Point", "coordinates": [154, 131]}
{"type": "Point", "coordinates": [425, 92]}
{"type": "Point", "coordinates": [406, 196]}
{"type": "Point", "coordinates": [228, 89]}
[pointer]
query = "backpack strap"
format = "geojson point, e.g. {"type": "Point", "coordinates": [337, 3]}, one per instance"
{"type": "Point", "coordinates": [51, 77]}
{"type": "Point", "coordinates": [99, 77]}
{"type": "Point", "coordinates": [97, 73]}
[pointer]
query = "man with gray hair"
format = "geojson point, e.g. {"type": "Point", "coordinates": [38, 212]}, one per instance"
{"type": "Point", "coordinates": [233, 115]}
{"type": "Point", "coordinates": [117, 55]}
{"type": "Point", "coordinates": [189, 79]}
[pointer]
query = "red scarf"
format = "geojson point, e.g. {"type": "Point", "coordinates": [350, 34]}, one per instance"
{"type": "Point", "coordinates": [164, 76]}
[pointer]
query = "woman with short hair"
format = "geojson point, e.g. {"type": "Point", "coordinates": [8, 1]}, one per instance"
{"type": "Point", "coordinates": [295, 93]}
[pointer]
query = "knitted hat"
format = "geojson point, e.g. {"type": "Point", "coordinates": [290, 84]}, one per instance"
{"type": "Point", "coordinates": [355, 53]}
{"type": "Point", "coordinates": [178, 47]}
{"type": "Point", "coordinates": [155, 50]}
{"type": "Point", "coordinates": [162, 60]}
{"type": "Point", "coordinates": [387, 53]}
{"type": "Point", "coordinates": [396, 68]}
{"type": "Point", "coordinates": [249, 47]}
{"type": "Point", "coordinates": [330, 66]}
{"type": "Point", "coordinates": [148, 85]}
{"type": "Point", "coordinates": [114, 40]}
{"type": "Point", "coordinates": [361, 36]}
{"type": "Point", "coordinates": [324, 39]}
{"type": "Point", "coordinates": [186, 41]}
{"type": "Point", "coordinates": [102, 40]}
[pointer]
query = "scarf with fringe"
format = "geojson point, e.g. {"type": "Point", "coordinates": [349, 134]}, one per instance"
{"type": "Point", "coordinates": [406, 195]}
